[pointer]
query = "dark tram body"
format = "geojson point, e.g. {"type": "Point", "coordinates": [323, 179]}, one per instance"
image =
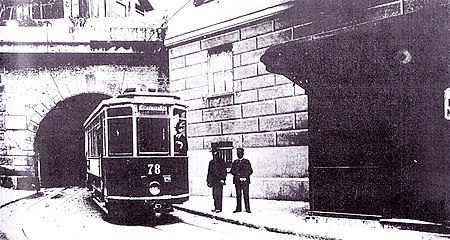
{"type": "Point", "coordinates": [136, 161]}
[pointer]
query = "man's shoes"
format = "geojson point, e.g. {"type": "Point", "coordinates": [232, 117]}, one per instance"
{"type": "Point", "coordinates": [213, 210]}
{"type": "Point", "coordinates": [218, 211]}
{"type": "Point", "coordinates": [235, 211]}
{"type": "Point", "coordinates": [248, 211]}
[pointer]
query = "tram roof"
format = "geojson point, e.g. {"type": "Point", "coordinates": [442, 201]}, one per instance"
{"type": "Point", "coordinates": [137, 98]}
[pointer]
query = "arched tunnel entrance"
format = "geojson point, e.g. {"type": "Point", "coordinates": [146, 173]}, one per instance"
{"type": "Point", "coordinates": [59, 141]}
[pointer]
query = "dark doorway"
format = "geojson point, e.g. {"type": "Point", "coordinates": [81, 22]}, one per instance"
{"type": "Point", "coordinates": [59, 142]}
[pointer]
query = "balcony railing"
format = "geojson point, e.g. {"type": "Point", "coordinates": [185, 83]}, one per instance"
{"type": "Point", "coordinates": [93, 29]}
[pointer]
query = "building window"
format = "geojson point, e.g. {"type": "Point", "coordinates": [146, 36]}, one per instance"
{"type": "Point", "coordinates": [225, 150]}
{"type": "Point", "coordinates": [220, 69]}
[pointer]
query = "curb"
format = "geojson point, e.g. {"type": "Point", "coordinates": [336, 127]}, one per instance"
{"type": "Point", "coordinates": [251, 225]}
{"type": "Point", "coordinates": [22, 198]}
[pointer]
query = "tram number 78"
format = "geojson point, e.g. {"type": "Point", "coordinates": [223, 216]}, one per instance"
{"type": "Point", "coordinates": [154, 168]}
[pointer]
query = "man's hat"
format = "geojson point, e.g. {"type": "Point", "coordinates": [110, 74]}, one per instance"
{"type": "Point", "coordinates": [239, 149]}
{"type": "Point", "coordinates": [214, 147]}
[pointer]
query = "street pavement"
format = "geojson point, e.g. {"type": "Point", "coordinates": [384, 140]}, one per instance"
{"type": "Point", "coordinates": [286, 217]}
{"type": "Point", "coordinates": [291, 217]}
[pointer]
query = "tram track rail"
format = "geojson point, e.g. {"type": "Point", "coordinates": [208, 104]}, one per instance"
{"type": "Point", "coordinates": [27, 216]}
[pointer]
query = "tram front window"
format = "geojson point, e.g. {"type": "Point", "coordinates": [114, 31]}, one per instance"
{"type": "Point", "coordinates": [120, 136]}
{"type": "Point", "coordinates": [153, 135]}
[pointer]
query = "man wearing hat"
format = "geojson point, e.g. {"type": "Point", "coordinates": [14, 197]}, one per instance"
{"type": "Point", "coordinates": [241, 169]}
{"type": "Point", "coordinates": [217, 174]}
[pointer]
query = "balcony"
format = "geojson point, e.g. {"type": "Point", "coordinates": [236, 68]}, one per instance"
{"type": "Point", "coordinates": [82, 31]}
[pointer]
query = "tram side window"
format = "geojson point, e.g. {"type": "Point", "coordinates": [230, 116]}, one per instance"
{"type": "Point", "coordinates": [180, 137]}
{"type": "Point", "coordinates": [93, 143]}
{"type": "Point", "coordinates": [120, 136]}
{"type": "Point", "coordinates": [153, 135]}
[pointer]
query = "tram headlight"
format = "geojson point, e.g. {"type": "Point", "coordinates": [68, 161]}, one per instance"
{"type": "Point", "coordinates": [154, 188]}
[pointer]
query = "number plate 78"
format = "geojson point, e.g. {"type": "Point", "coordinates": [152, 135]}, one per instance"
{"type": "Point", "coordinates": [154, 168]}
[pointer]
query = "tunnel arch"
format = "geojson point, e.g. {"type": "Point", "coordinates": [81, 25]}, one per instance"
{"type": "Point", "coordinates": [59, 141]}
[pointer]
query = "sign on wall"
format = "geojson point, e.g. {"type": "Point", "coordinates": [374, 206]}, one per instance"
{"type": "Point", "coordinates": [15, 122]}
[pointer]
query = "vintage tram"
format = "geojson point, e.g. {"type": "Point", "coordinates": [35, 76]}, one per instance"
{"type": "Point", "coordinates": [136, 153]}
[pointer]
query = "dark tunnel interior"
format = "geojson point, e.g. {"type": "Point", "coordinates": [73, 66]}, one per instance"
{"type": "Point", "coordinates": [59, 141]}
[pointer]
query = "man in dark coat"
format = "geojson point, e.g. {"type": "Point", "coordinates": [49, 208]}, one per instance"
{"type": "Point", "coordinates": [217, 174]}
{"type": "Point", "coordinates": [181, 144]}
{"type": "Point", "coordinates": [241, 169]}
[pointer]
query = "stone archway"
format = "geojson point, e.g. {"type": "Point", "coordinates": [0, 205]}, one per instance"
{"type": "Point", "coordinates": [59, 141]}
{"type": "Point", "coordinates": [45, 82]}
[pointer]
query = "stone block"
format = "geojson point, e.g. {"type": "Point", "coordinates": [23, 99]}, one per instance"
{"type": "Point", "coordinates": [222, 113]}
{"type": "Point", "coordinates": [292, 104]}
{"type": "Point", "coordinates": [277, 91]}
{"type": "Point", "coordinates": [258, 82]}
{"type": "Point", "coordinates": [36, 118]}
{"type": "Point", "coordinates": [220, 40]}
{"type": "Point", "coordinates": [240, 126]}
{"type": "Point", "coordinates": [244, 46]}
{"type": "Point", "coordinates": [197, 81]}
{"type": "Point", "coordinates": [292, 138]}
{"type": "Point", "coordinates": [299, 90]}
{"type": "Point", "coordinates": [274, 38]}
{"type": "Point", "coordinates": [262, 69]}
{"type": "Point", "coordinates": [236, 60]}
{"type": "Point", "coordinates": [301, 120]}
{"type": "Point", "coordinates": [220, 100]}
{"type": "Point", "coordinates": [258, 109]}
{"type": "Point", "coordinates": [195, 143]}
{"type": "Point", "coordinates": [195, 58]}
{"type": "Point", "coordinates": [204, 129]}
{"type": "Point", "coordinates": [245, 71]}
{"type": "Point", "coordinates": [32, 126]}
{"type": "Point", "coordinates": [280, 79]}
{"type": "Point", "coordinates": [195, 104]}
{"type": "Point", "coordinates": [178, 85]}
{"type": "Point", "coordinates": [278, 122]}
{"type": "Point", "coordinates": [257, 29]}
{"type": "Point", "coordinates": [193, 93]}
{"type": "Point", "coordinates": [258, 140]}
{"type": "Point", "coordinates": [252, 57]}
{"type": "Point", "coordinates": [176, 63]}
{"type": "Point", "coordinates": [186, 72]}
{"type": "Point", "coordinates": [237, 86]}
{"type": "Point", "coordinates": [246, 96]}
{"type": "Point", "coordinates": [184, 49]}
{"type": "Point", "coordinates": [194, 116]}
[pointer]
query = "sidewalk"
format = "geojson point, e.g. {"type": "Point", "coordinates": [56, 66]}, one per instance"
{"type": "Point", "coordinates": [8, 196]}
{"type": "Point", "coordinates": [291, 217]}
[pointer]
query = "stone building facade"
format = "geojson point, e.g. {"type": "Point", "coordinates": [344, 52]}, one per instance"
{"type": "Point", "coordinates": [234, 101]}
{"type": "Point", "coordinates": [214, 64]}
